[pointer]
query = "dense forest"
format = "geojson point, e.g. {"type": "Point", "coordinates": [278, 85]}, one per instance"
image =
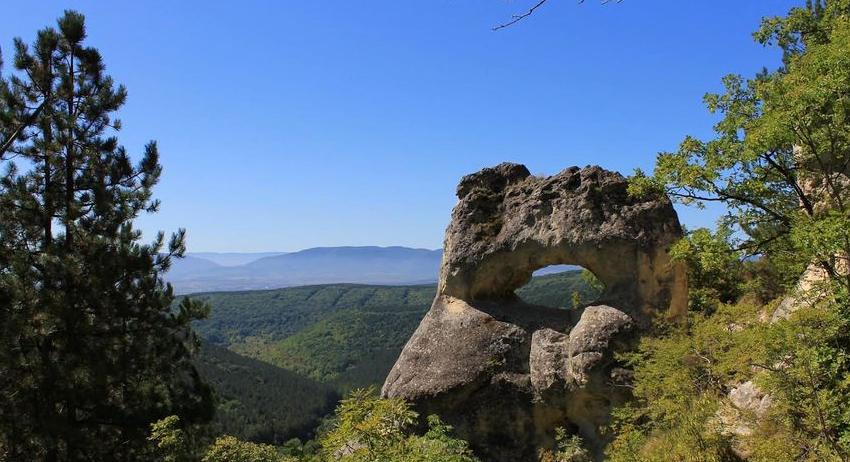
{"type": "Point", "coordinates": [260, 402]}
{"type": "Point", "coordinates": [344, 335]}
{"type": "Point", "coordinates": [99, 360]}
{"type": "Point", "coordinates": [275, 390]}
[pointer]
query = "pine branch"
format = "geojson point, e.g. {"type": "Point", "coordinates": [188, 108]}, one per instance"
{"type": "Point", "coordinates": [26, 123]}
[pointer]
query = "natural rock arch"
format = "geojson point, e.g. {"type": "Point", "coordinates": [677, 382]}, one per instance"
{"type": "Point", "coordinates": [506, 373]}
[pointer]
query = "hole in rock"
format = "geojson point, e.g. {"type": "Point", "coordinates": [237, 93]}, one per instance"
{"type": "Point", "coordinates": [562, 286]}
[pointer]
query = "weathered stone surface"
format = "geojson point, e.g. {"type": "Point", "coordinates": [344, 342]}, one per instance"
{"type": "Point", "coordinates": [549, 360]}
{"type": "Point", "coordinates": [590, 337]}
{"type": "Point", "coordinates": [808, 292]}
{"type": "Point", "coordinates": [748, 397]}
{"type": "Point", "coordinates": [506, 373]}
{"type": "Point", "coordinates": [746, 405]}
{"type": "Point", "coordinates": [560, 360]}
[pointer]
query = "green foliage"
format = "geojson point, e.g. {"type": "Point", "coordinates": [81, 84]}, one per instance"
{"type": "Point", "coordinates": [715, 269]}
{"type": "Point", "coordinates": [438, 440]}
{"type": "Point", "coordinates": [306, 451]}
{"type": "Point", "coordinates": [569, 449]}
{"type": "Point", "coordinates": [335, 347]}
{"type": "Point", "coordinates": [170, 442]}
{"type": "Point", "coordinates": [779, 164]}
{"type": "Point", "coordinates": [645, 186]}
{"type": "Point", "coordinates": [558, 290]}
{"type": "Point", "coordinates": [778, 160]}
{"type": "Point", "coordinates": [231, 449]}
{"type": "Point", "coordinates": [272, 315]}
{"type": "Point", "coordinates": [259, 402]}
{"type": "Point", "coordinates": [368, 428]}
{"type": "Point", "coordinates": [591, 281]}
{"type": "Point", "coordinates": [91, 349]}
{"type": "Point", "coordinates": [364, 428]}
{"type": "Point", "coordinates": [575, 298]}
{"type": "Point", "coordinates": [681, 379]}
{"type": "Point", "coordinates": [345, 335]}
{"type": "Point", "coordinates": [824, 239]}
{"type": "Point", "coordinates": [806, 368]}
{"type": "Point", "coordinates": [276, 314]}
{"type": "Point", "coordinates": [766, 280]}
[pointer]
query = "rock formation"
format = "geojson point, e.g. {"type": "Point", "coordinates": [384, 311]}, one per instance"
{"type": "Point", "coordinates": [506, 373]}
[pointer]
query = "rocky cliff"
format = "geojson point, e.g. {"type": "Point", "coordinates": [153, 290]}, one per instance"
{"type": "Point", "coordinates": [506, 373]}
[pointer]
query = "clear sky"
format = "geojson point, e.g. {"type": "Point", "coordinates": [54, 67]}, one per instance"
{"type": "Point", "coordinates": [284, 125]}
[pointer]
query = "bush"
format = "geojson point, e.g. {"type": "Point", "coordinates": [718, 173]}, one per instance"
{"type": "Point", "coordinates": [369, 428]}
{"type": "Point", "coordinates": [230, 449]}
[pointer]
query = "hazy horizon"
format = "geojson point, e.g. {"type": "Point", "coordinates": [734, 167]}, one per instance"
{"type": "Point", "coordinates": [224, 252]}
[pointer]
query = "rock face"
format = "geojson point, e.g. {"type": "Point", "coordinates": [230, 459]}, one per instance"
{"type": "Point", "coordinates": [506, 373]}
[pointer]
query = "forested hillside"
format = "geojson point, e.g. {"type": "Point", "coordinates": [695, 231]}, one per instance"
{"type": "Point", "coordinates": [260, 402]}
{"type": "Point", "coordinates": [279, 359]}
{"type": "Point", "coordinates": [342, 334]}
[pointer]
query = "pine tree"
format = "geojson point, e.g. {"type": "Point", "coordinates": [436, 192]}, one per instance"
{"type": "Point", "coordinates": [92, 350]}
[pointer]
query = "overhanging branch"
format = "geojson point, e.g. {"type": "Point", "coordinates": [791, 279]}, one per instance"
{"type": "Point", "coordinates": [519, 17]}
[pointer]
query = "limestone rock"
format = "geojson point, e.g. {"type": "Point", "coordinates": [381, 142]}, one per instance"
{"type": "Point", "coordinates": [558, 359]}
{"type": "Point", "coordinates": [590, 337]}
{"type": "Point", "coordinates": [549, 360]}
{"type": "Point", "coordinates": [746, 404]}
{"type": "Point", "coordinates": [807, 292]}
{"type": "Point", "coordinates": [506, 373]}
{"type": "Point", "coordinates": [748, 397]}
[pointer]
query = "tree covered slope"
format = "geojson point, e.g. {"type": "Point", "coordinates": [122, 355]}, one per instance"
{"type": "Point", "coordinates": [261, 402]}
{"type": "Point", "coordinates": [342, 334]}
{"type": "Point", "coordinates": [279, 359]}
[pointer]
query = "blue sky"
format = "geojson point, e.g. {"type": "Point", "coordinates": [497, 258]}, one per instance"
{"type": "Point", "coordinates": [287, 125]}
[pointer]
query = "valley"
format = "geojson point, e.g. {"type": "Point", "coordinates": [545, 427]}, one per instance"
{"type": "Point", "coordinates": [278, 359]}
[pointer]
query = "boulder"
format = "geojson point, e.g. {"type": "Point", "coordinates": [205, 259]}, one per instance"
{"type": "Point", "coordinates": [506, 373]}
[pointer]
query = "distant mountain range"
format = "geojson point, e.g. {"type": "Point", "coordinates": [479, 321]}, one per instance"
{"type": "Point", "coordinates": [233, 258]}
{"type": "Point", "coordinates": [206, 271]}
{"type": "Point", "coordinates": [233, 271]}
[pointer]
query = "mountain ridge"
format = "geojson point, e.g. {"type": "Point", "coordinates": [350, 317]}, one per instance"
{"type": "Point", "coordinates": [373, 265]}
